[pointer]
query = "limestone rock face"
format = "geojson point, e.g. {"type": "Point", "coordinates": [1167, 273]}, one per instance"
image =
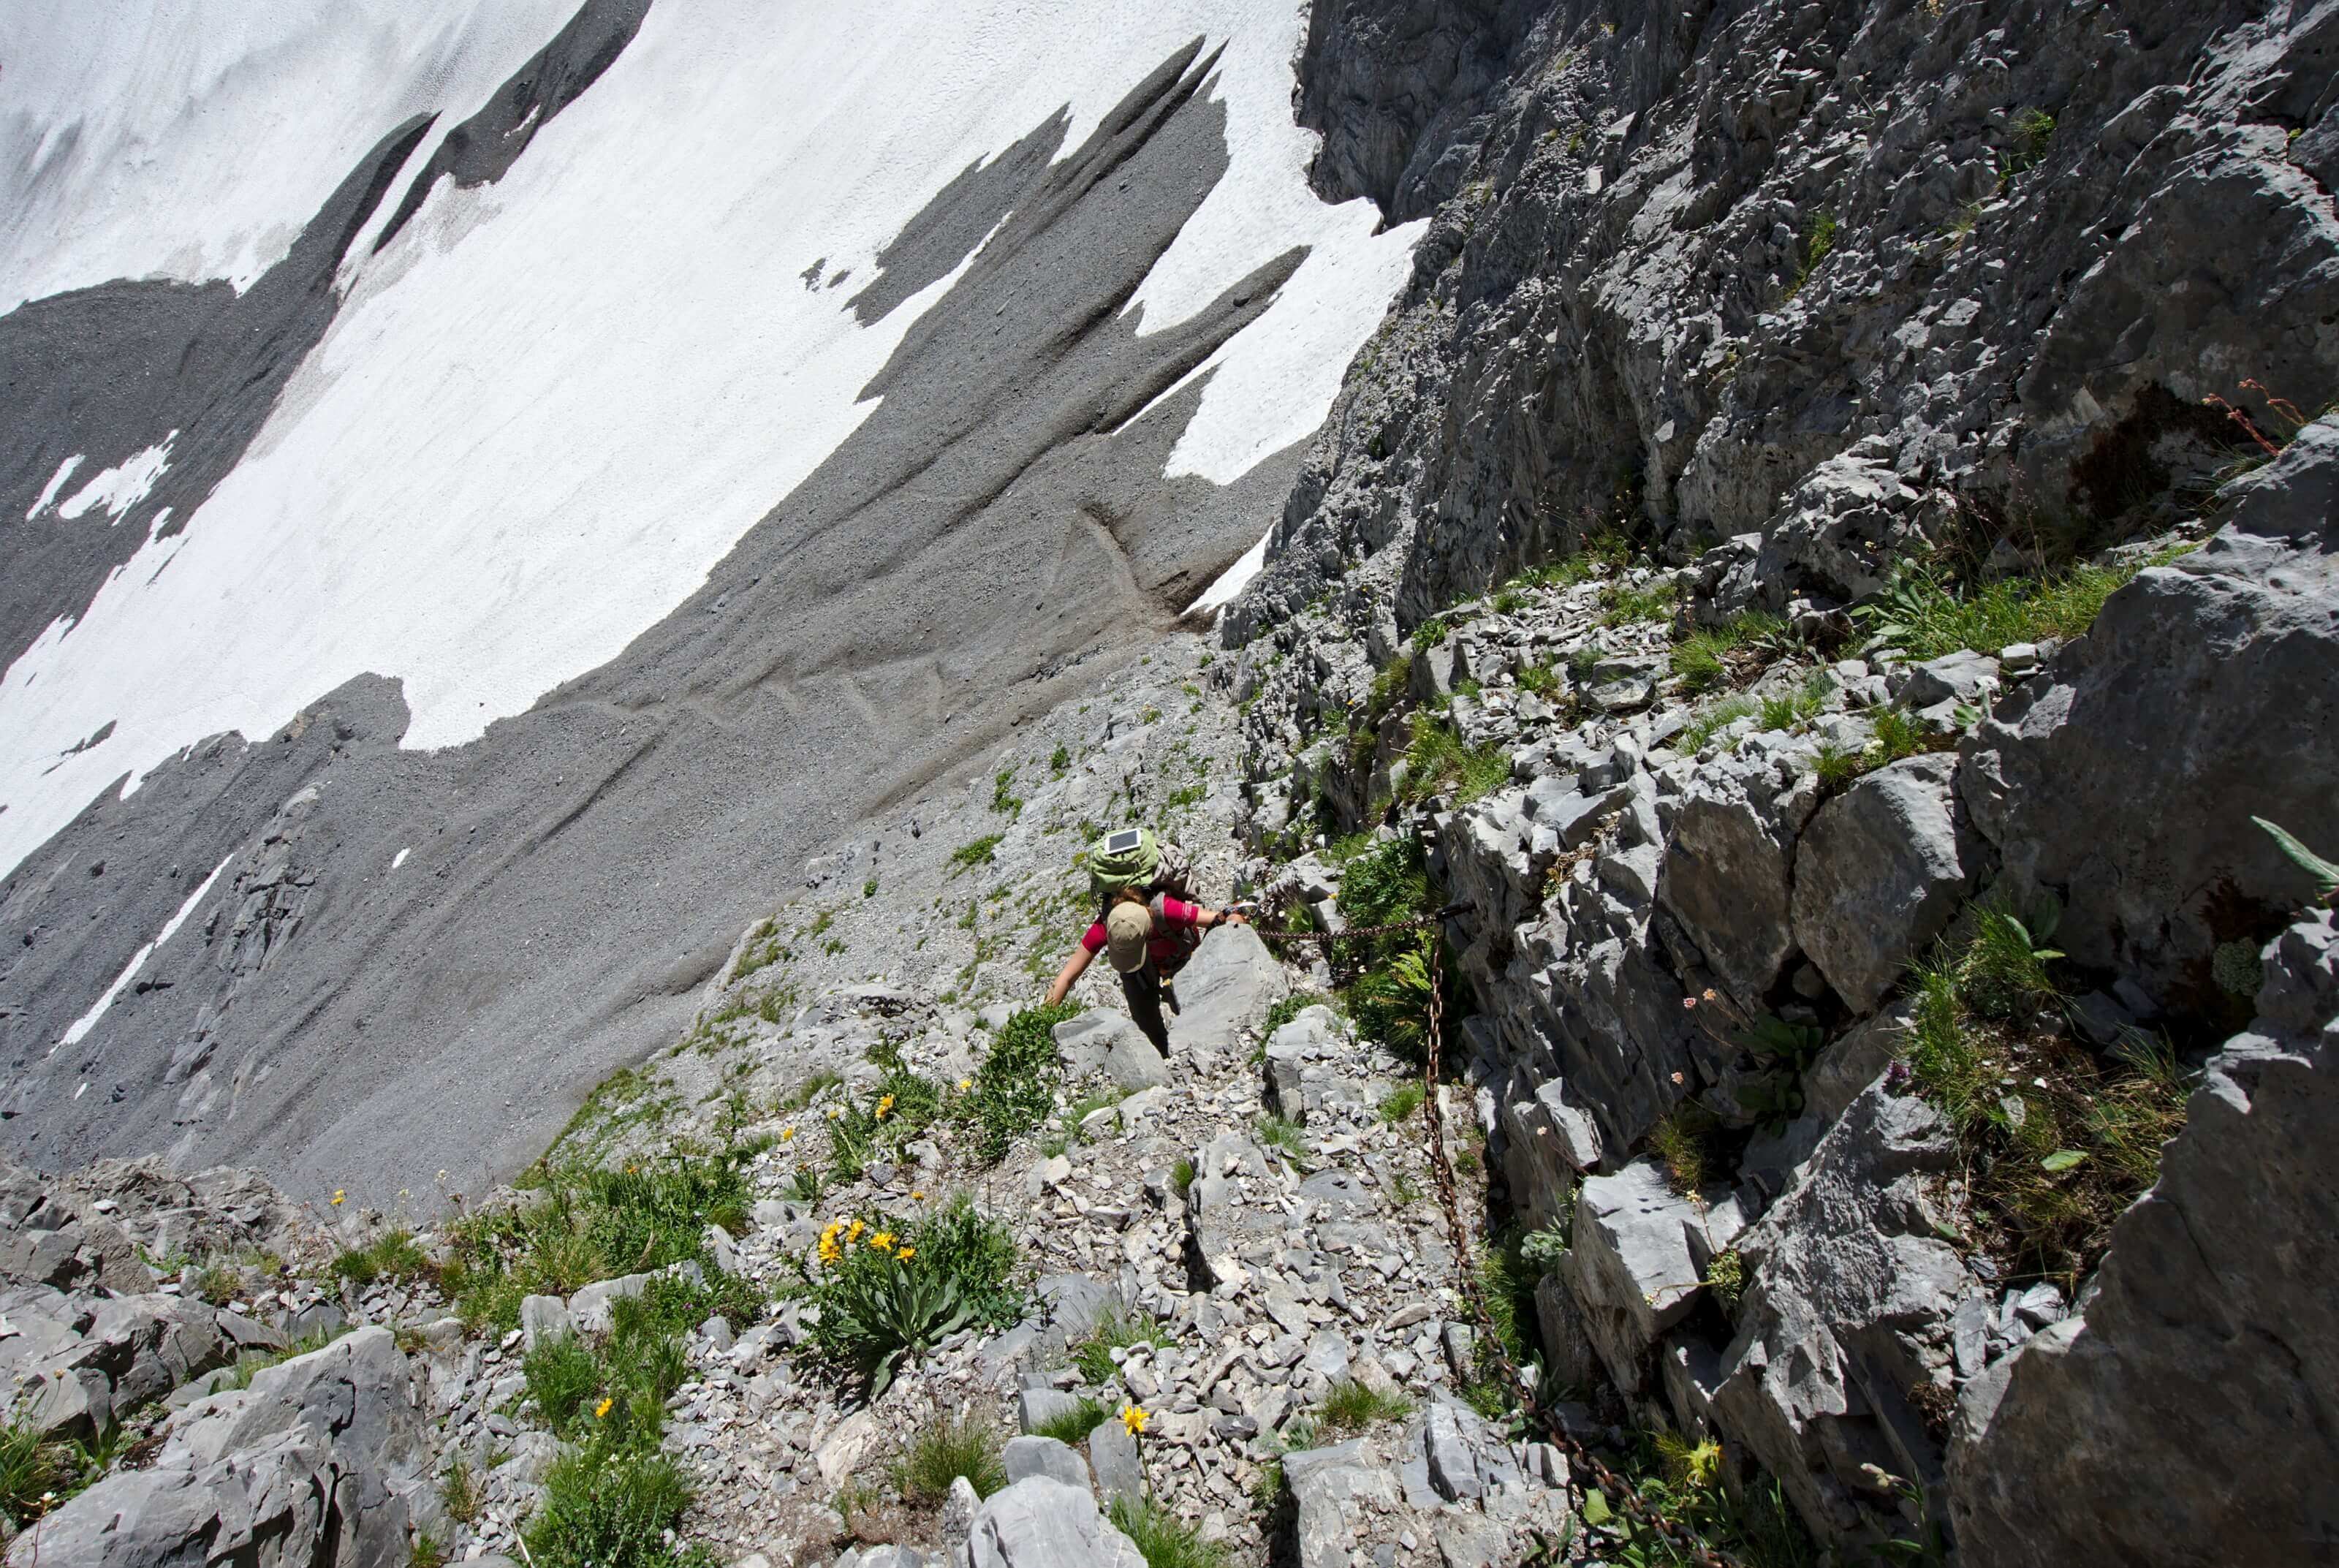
{"type": "Point", "coordinates": [1726, 875]}
{"type": "Point", "coordinates": [314, 1464]}
{"type": "Point", "coordinates": [1848, 1310]}
{"type": "Point", "coordinates": [1225, 989]}
{"type": "Point", "coordinates": [1879, 875]}
{"type": "Point", "coordinates": [2212, 679]}
{"type": "Point", "coordinates": [1040, 1523]}
{"type": "Point", "coordinates": [1630, 1267]}
{"type": "Point", "coordinates": [2189, 1414]}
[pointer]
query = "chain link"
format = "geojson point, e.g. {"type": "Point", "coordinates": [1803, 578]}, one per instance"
{"type": "Point", "coordinates": [1441, 1168]}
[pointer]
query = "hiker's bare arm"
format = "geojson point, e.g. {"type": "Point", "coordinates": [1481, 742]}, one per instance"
{"type": "Point", "coordinates": [1074, 967]}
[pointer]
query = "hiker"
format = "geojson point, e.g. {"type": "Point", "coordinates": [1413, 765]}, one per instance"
{"type": "Point", "coordinates": [1144, 926]}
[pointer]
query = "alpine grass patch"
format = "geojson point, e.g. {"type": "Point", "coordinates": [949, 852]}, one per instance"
{"type": "Point", "coordinates": [1014, 1092]}
{"type": "Point", "coordinates": [946, 1447]}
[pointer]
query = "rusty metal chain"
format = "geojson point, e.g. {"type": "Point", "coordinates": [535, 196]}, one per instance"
{"type": "Point", "coordinates": [1441, 1166]}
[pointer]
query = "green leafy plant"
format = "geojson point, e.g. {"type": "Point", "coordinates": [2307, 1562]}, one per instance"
{"type": "Point", "coordinates": [2325, 872]}
{"type": "Point", "coordinates": [1014, 1092]}
{"type": "Point", "coordinates": [978, 852]}
{"type": "Point", "coordinates": [1060, 759]}
{"type": "Point", "coordinates": [2002, 973]}
{"type": "Point", "coordinates": [609, 1506]}
{"type": "Point", "coordinates": [1391, 1004]}
{"type": "Point", "coordinates": [888, 1290]}
{"type": "Point", "coordinates": [1287, 1008]}
{"type": "Point", "coordinates": [1071, 1426]}
{"type": "Point", "coordinates": [1400, 1104]}
{"type": "Point", "coordinates": [1435, 759]}
{"type": "Point", "coordinates": [1181, 1176]}
{"type": "Point", "coordinates": [1926, 615]}
{"type": "Point", "coordinates": [1726, 1277]}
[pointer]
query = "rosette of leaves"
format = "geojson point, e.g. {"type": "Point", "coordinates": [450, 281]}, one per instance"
{"type": "Point", "coordinates": [879, 1309]}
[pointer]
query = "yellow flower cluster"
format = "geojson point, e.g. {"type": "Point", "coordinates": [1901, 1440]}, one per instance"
{"type": "Point", "coordinates": [883, 1106]}
{"type": "Point", "coordinates": [830, 1251]}
{"type": "Point", "coordinates": [1134, 1419]}
{"type": "Point", "coordinates": [601, 1411]}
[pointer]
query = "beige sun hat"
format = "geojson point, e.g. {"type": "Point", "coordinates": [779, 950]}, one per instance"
{"type": "Point", "coordinates": [1127, 929]}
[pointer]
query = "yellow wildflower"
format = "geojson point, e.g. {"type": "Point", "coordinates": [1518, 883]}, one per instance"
{"type": "Point", "coordinates": [916, 1195]}
{"type": "Point", "coordinates": [906, 1253]}
{"type": "Point", "coordinates": [854, 1234]}
{"type": "Point", "coordinates": [883, 1241]}
{"type": "Point", "coordinates": [786, 1133]}
{"type": "Point", "coordinates": [1134, 1419]}
{"type": "Point", "coordinates": [964, 1084]}
{"type": "Point", "coordinates": [601, 1411]}
{"type": "Point", "coordinates": [833, 1112]}
{"type": "Point", "coordinates": [337, 1196]}
{"type": "Point", "coordinates": [883, 1106]}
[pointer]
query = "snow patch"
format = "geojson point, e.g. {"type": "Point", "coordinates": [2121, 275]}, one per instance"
{"type": "Point", "coordinates": [88, 1021]}
{"type": "Point", "coordinates": [123, 487]}
{"type": "Point", "coordinates": [56, 482]}
{"type": "Point", "coordinates": [1233, 580]}
{"type": "Point", "coordinates": [608, 356]}
{"type": "Point", "coordinates": [399, 858]}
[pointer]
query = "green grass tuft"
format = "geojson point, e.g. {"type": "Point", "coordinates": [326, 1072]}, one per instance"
{"type": "Point", "coordinates": [945, 1448]}
{"type": "Point", "coordinates": [1161, 1538]}
{"type": "Point", "coordinates": [1350, 1406]}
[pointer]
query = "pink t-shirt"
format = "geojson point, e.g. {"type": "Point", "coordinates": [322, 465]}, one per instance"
{"type": "Point", "coordinates": [1173, 918]}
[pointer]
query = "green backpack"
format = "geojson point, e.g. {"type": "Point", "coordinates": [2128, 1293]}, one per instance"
{"type": "Point", "coordinates": [1133, 857]}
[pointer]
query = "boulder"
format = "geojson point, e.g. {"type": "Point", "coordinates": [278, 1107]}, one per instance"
{"type": "Point", "coordinates": [1225, 991]}
{"type": "Point", "coordinates": [1879, 871]}
{"type": "Point", "coordinates": [2188, 1414]}
{"type": "Point", "coordinates": [1569, 1357]}
{"type": "Point", "coordinates": [1726, 871]}
{"type": "Point", "coordinates": [1105, 1043]}
{"type": "Point", "coordinates": [311, 1465]}
{"type": "Point", "coordinates": [2124, 776]}
{"type": "Point", "coordinates": [1078, 1302]}
{"type": "Point", "coordinates": [1112, 1455]}
{"type": "Point", "coordinates": [1028, 1456]}
{"type": "Point", "coordinates": [1630, 1266]}
{"type": "Point", "coordinates": [1294, 1053]}
{"type": "Point", "coordinates": [1218, 1220]}
{"type": "Point", "coordinates": [1039, 1522]}
{"type": "Point", "coordinates": [590, 1309]}
{"type": "Point", "coordinates": [1964, 677]}
{"type": "Point", "coordinates": [543, 1318]}
{"type": "Point", "coordinates": [1849, 1307]}
{"type": "Point", "coordinates": [1335, 1492]}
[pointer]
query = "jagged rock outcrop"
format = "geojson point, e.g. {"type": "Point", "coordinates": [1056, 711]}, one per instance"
{"type": "Point", "coordinates": [2187, 1414]}
{"type": "Point", "coordinates": [2207, 693]}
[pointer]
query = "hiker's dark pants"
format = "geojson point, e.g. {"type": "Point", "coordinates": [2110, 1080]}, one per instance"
{"type": "Point", "coordinates": [1142, 988]}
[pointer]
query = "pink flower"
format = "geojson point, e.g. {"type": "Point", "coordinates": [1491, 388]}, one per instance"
{"type": "Point", "coordinates": [1688, 1002]}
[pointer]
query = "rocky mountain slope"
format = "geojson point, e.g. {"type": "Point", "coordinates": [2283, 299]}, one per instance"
{"type": "Point", "coordinates": [1820, 596]}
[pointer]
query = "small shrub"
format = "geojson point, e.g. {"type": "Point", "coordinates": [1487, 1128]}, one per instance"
{"type": "Point", "coordinates": [562, 1375]}
{"type": "Point", "coordinates": [1071, 1427]}
{"type": "Point", "coordinates": [1684, 1141]}
{"type": "Point", "coordinates": [1277, 1133]}
{"type": "Point", "coordinates": [607, 1507]}
{"type": "Point", "coordinates": [1623, 603]}
{"type": "Point", "coordinates": [1351, 1406]}
{"type": "Point", "coordinates": [1060, 759]}
{"type": "Point", "coordinates": [1003, 800]}
{"type": "Point", "coordinates": [1014, 1089]}
{"type": "Point", "coordinates": [980, 852]}
{"type": "Point", "coordinates": [1726, 1277]}
{"type": "Point", "coordinates": [1400, 1104]}
{"type": "Point", "coordinates": [1161, 1538]}
{"type": "Point", "coordinates": [1700, 731]}
{"type": "Point", "coordinates": [1436, 759]}
{"type": "Point", "coordinates": [947, 1448]}
{"type": "Point", "coordinates": [393, 1255]}
{"type": "Point", "coordinates": [459, 1492]}
{"type": "Point", "coordinates": [1113, 1331]}
{"type": "Point", "coordinates": [1541, 1249]}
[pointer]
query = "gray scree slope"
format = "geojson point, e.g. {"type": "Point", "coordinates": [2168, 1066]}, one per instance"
{"type": "Point", "coordinates": [995, 539]}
